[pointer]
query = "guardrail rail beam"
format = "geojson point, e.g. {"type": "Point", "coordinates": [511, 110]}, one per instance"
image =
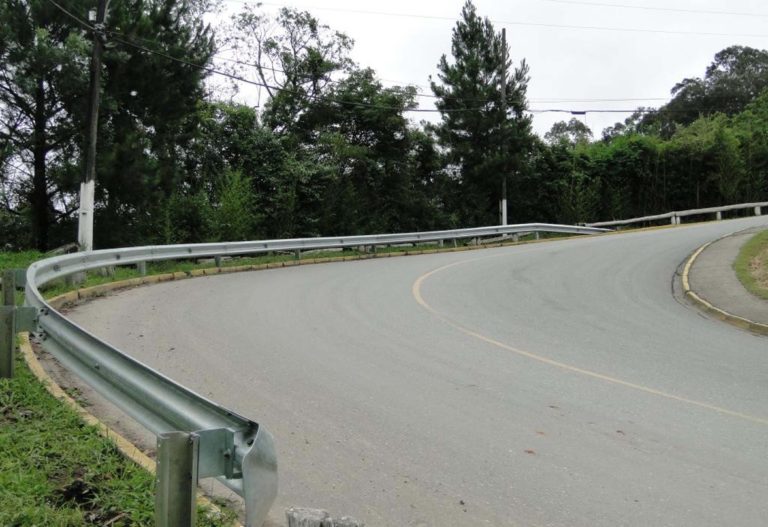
{"type": "Point", "coordinates": [236, 450]}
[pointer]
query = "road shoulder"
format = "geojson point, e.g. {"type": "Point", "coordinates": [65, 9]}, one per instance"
{"type": "Point", "coordinates": [710, 281]}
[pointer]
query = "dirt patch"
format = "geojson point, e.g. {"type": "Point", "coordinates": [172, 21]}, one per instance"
{"type": "Point", "coordinates": [758, 269]}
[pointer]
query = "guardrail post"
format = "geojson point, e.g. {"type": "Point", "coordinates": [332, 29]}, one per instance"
{"type": "Point", "coordinates": [719, 215]}
{"type": "Point", "coordinates": [673, 220]}
{"type": "Point", "coordinates": [537, 235]}
{"type": "Point", "coordinates": [141, 267]}
{"type": "Point", "coordinates": [8, 325]}
{"type": "Point", "coordinates": [297, 255]}
{"type": "Point", "coordinates": [217, 260]}
{"type": "Point", "coordinates": [176, 492]}
{"type": "Point", "coordinates": [758, 211]}
{"type": "Point", "coordinates": [515, 237]}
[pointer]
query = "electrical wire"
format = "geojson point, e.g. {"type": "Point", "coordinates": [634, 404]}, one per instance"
{"type": "Point", "coordinates": [208, 69]}
{"type": "Point", "coordinates": [513, 23]}
{"type": "Point", "coordinates": [650, 8]}
{"type": "Point", "coordinates": [74, 17]}
{"type": "Point", "coordinates": [558, 100]}
{"type": "Point", "coordinates": [238, 78]}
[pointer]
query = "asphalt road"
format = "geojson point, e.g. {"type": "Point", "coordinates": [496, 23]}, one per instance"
{"type": "Point", "coordinates": [558, 384]}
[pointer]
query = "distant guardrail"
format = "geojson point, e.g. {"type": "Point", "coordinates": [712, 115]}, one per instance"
{"type": "Point", "coordinates": [197, 438]}
{"type": "Point", "coordinates": [674, 217]}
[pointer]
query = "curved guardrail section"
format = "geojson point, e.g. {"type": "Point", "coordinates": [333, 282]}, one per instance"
{"type": "Point", "coordinates": [675, 216]}
{"type": "Point", "coordinates": [227, 446]}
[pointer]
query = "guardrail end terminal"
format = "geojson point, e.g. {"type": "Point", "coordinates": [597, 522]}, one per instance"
{"type": "Point", "coordinates": [259, 478]}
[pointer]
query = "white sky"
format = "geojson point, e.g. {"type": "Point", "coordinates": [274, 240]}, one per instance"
{"type": "Point", "coordinates": [568, 65]}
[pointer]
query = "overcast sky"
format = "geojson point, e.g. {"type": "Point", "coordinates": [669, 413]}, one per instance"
{"type": "Point", "coordinates": [573, 64]}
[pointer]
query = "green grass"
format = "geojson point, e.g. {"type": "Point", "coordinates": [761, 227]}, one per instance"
{"type": "Point", "coordinates": [751, 265]}
{"type": "Point", "coordinates": [57, 471]}
{"type": "Point", "coordinates": [18, 260]}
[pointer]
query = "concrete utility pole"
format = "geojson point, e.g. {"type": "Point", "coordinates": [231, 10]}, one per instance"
{"type": "Point", "coordinates": [88, 183]}
{"type": "Point", "coordinates": [503, 135]}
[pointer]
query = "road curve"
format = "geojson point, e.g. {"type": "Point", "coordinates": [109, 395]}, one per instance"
{"type": "Point", "coordinates": [558, 384]}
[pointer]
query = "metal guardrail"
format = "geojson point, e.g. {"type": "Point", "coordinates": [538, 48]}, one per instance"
{"type": "Point", "coordinates": [675, 216]}
{"type": "Point", "coordinates": [214, 441]}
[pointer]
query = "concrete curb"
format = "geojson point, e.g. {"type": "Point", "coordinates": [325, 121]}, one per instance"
{"type": "Point", "coordinates": [710, 309]}
{"type": "Point", "coordinates": [126, 448]}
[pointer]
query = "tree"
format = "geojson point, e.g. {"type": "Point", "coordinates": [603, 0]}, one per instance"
{"type": "Point", "coordinates": [751, 129]}
{"type": "Point", "coordinates": [149, 111]}
{"type": "Point", "coordinates": [382, 169]}
{"type": "Point", "coordinates": [292, 55]}
{"type": "Point", "coordinates": [41, 81]}
{"type": "Point", "coordinates": [736, 76]}
{"type": "Point", "coordinates": [234, 216]}
{"type": "Point", "coordinates": [572, 132]}
{"type": "Point", "coordinates": [144, 119]}
{"type": "Point", "coordinates": [482, 142]}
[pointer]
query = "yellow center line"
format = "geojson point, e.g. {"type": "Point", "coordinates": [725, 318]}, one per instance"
{"type": "Point", "coordinates": [417, 295]}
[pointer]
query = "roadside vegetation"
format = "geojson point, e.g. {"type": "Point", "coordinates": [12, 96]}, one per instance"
{"type": "Point", "coordinates": [57, 471]}
{"type": "Point", "coordinates": [332, 149]}
{"type": "Point", "coordinates": [751, 265]}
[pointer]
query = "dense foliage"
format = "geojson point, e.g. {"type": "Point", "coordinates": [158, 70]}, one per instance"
{"type": "Point", "coordinates": [330, 149]}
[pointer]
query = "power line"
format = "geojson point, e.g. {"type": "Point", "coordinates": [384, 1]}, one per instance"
{"type": "Point", "coordinates": [515, 23]}
{"type": "Point", "coordinates": [557, 100]}
{"type": "Point", "coordinates": [214, 71]}
{"type": "Point", "coordinates": [120, 39]}
{"type": "Point", "coordinates": [355, 103]}
{"type": "Point", "coordinates": [649, 8]}
{"type": "Point", "coordinates": [74, 17]}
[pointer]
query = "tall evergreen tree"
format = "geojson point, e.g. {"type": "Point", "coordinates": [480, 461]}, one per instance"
{"type": "Point", "coordinates": [144, 118]}
{"type": "Point", "coordinates": [42, 78]}
{"type": "Point", "coordinates": [483, 143]}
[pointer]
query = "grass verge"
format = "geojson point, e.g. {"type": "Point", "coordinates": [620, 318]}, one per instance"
{"type": "Point", "coordinates": [56, 470]}
{"type": "Point", "coordinates": [751, 265]}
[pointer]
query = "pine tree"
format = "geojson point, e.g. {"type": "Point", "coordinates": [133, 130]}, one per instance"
{"type": "Point", "coordinates": [482, 143]}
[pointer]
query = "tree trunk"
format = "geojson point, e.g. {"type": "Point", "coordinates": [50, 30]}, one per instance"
{"type": "Point", "coordinates": [39, 195]}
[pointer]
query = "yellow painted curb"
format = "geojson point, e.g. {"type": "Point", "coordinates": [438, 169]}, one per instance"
{"type": "Point", "coordinates": [126, 448]}
{"type": "Point", "coordinates": [720, 314]}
